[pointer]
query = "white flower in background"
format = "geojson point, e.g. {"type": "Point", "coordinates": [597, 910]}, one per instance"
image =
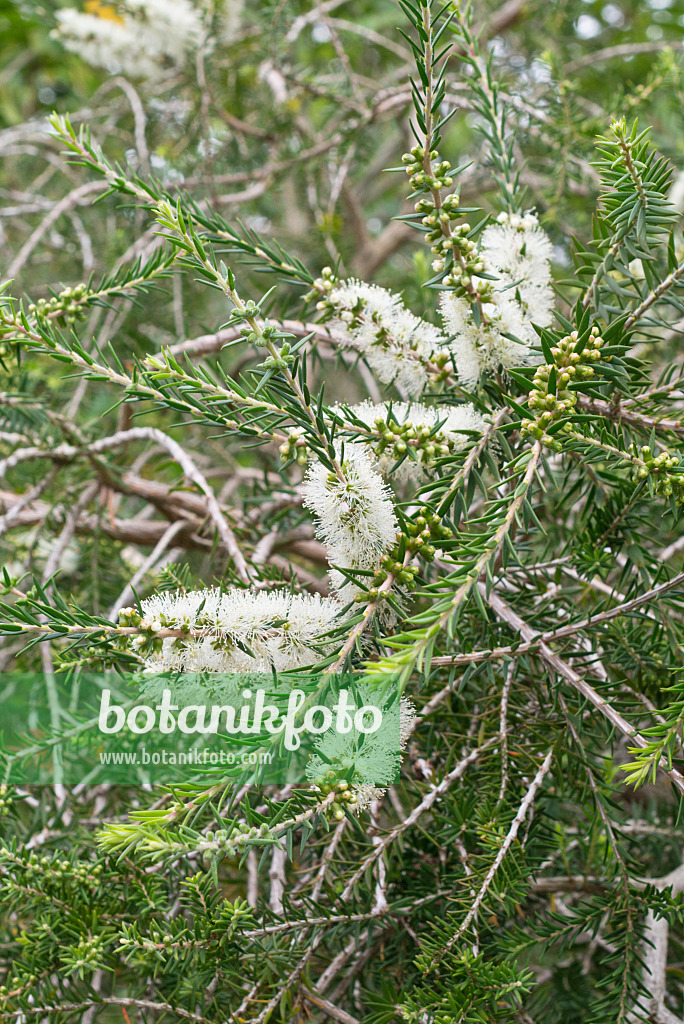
{"type": "Point", "coordinates": [103, 41]}
{"type": "Point", "coordinates": [518, 251]}
{"type": "Point", "coordinates": [229, 18]}
{"type": "Point", "coordinates": [279, 628]}
{"type": "Point", "coordinates": [172, 27]}
{"type": "Point", "coordinates": [393, 341]}
{"type": "Point", "coordinates": [355, 514]}
{"type": "Point", "coordinates": [412, 426]}
{"type": "Point", "coordinates": [407, 721]}
{"type": "Point", "coordinates": [134, 37]}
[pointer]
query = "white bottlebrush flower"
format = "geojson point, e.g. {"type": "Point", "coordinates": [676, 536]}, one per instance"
{"type": "Point", "coordinates": [103, 42]}
{"type": "Point", "coordinates": [407, 721]}
{"type": "Point", "coordinates": [395, 343]}
{"type": "Point", "coordinates": [229, 17]}
{"type": "Point", "coordinates": [367, 794]}
{"type": "Point", "coordinates": [133, 37]}
{"type": "Point", "coordinates": [279, 628]}
{"type": "Point", "coordinates": [415, 428]}
{"type": "Point", "coordinates": [519, 252]}
{"type": "Point", "coordinates": [355, 515]}
{"type": "Point", "coordinates": [476, 349]}
{"type": "Point", "coordinates": [377, 759]}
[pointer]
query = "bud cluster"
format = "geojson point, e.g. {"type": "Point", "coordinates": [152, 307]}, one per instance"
{"type": "Point", "coordinates": [280, 360]}
{"type": "Point", "coordinates": [352, 315]}
{"type": "Point", "coordinates": [130, 617]}
{"type": "Point", "coordinates": [85, 956]}
{"type": "Point", "coordinates": [322, 286]}
{"type": "Point", "coordinates": [44, 868]}
{"type": "Point", "coordinates": [454, 251]}
{"type": "Point", "coordinates": [68, 305]}
{"type": "Point", "coordinates": [246, 317]}
{"type": "Point", "coordinates": [462, 270]}
{"type": "Point", "coordinates": [232, 842]}
{"type": "Point", "coordinates": [444, 363]}
{"type": "Point", "coordinates": [5, 799]}
{"type": "Point", "coordinates": [344, 794]}
{"type": "Point", "coordinates": [426, 528]}
{"type": "Point", "coordinates": [551, 397]}
{"type": "Point", "coordinates": [294, 447]}
{"type": "Point", "coordinates": [389, 565]}
{"type": "Point", "coordinates": [21, 981]}
{"type": "Point", "coordinates": [657, 468]}
{"type": "Point", "coordinates": [249, 311]}
{"type": "Point", "coordinates": [395, 439]}
{"type": "Point", "coordinates": [419, 540]}
{"type": "Point", "coordinates": [421, 181]}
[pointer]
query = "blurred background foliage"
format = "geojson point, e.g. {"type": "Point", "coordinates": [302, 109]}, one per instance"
{"type": "Point", "coordinates": [296, 79]}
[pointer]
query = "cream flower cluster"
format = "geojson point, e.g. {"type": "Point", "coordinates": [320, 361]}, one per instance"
{"type": "Point", "coordinates": [518, 252]}
{"type": "Point", "coordinates": [280, 629]}
{"type": "Point", "coordinates": [134, 37]}
{"type": "Point", "coordinates": [378, 760]}
{"type": "Point", "coordinates": [478, 348]}
{"type": "Point", "coordinates": [375, 322]}
{"type": "Point", "coordinates": [406, 428]}
{"type": "Point", "coordinates": [354, 511]}
{"type": "Point", "coordinates": [367, 794]}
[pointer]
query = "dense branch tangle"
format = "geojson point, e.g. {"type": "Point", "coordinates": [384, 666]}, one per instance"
{"type": "Point", "coordinates": [494, 547]}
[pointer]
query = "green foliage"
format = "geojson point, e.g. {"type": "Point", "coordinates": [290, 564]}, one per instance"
{"type": "Point", "coordinates": [161, 404]}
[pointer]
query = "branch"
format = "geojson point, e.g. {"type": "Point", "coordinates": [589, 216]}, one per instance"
{"type": "Point", "coordinates": [505, 612]}
{"type": "Point", "coordinates": [503, 850]}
